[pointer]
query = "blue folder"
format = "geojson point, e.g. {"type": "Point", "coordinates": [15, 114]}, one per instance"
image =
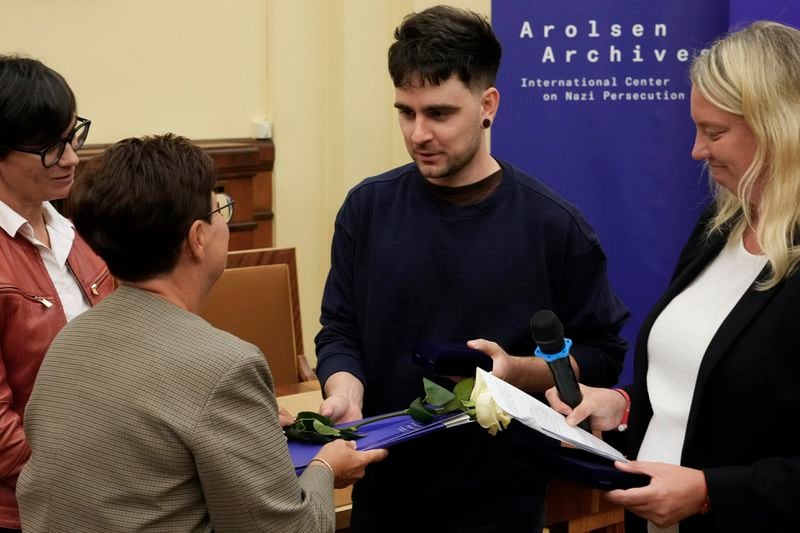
{"type": "Point", "coordinates": [579, 466]}
{"type": "Point", "coordinates": [379, 434]}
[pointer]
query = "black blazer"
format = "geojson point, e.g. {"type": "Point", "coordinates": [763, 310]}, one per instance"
{"type": "Point", "coordinates": [742, 427]}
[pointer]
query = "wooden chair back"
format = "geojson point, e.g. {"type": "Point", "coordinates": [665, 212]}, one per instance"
{"type": "Point", "coordinates": [257, 299]}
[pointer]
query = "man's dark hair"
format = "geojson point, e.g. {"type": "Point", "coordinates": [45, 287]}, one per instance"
{"type": "Point", "coordinates": [135, 203]}
{"type": "Point", "coordinates": [36, 104]}
{"type": "Point", "coordinates": [434, 44]}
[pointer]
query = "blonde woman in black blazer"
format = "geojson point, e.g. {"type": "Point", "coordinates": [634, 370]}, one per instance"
{"type": "Point", "coordinates": [715, 391]}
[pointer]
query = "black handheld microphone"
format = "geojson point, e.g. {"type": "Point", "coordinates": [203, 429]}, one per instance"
{"type": "Point", "coordinates": [548, 334]}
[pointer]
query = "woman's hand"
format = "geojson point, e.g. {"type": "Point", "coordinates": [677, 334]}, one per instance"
{"type": "Point", "coordinates": [348, 465]}
{"type": "Point", "coordinates": [603, 407]}
{"type": "Point", "coordinates": [674, 493]}
{"type": "Point", "coordinates": [285, 417]}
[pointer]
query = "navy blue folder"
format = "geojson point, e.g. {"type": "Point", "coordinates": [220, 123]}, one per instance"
{"type": "Point", "coordinates": [572, 464]}
{"type": "Point", "coordinates": [380, 434]}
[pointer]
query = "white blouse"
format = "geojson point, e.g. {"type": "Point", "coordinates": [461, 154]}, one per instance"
{"type": "Point", "coordinates": [678, 340]}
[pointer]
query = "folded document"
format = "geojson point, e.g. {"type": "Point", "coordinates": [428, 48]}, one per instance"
{"type": "Point", "coordinates": [591, 464]}
{"type": "Point", "coordinates": [543, 418]}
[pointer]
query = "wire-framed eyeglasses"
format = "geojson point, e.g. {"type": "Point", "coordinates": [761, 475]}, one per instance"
{"type": "Point", "coordinates": [51, 154]}
{"type": "Point", "coordinates": [224, 206]}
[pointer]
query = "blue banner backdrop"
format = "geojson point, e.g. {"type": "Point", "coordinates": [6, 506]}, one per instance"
{"type": "Point", "coordinates": [595, 103]}
{"type": "Point", "coordinates": [743, 12]}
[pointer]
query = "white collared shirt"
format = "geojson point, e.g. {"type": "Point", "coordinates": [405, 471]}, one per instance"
{"type": "Point", "coordinates": [62, 234]}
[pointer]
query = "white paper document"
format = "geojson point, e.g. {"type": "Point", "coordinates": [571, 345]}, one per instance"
{"type": "Point", "coordinates": [544, 419]}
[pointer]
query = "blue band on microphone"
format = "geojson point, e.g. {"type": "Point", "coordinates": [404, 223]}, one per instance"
{"type": "Point", "coordinates": [550, 357]}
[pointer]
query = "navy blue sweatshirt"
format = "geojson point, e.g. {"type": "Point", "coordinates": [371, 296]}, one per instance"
{"type": "Point", "coordinates": [407, 266]}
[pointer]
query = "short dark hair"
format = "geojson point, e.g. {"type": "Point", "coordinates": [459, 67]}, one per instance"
{"type": "Point", "coordinates": [438, 42]}
{"type": "Point", "coordinates": [36, 104]}
{"type": "Point", "coordinates": [134, 204]}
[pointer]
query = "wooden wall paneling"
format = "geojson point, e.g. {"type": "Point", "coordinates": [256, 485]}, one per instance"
{"type": "Point", "coordinates": [262, 193]}
{"type": "Point", "coordinates": [245, 172]}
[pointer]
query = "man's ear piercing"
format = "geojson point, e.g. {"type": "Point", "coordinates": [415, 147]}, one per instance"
{"type": "Point", "coordinates": [486, 123]}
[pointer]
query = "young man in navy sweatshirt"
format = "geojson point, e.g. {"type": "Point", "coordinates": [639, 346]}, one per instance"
{"type": "Point", "coordinates": [455, 246]}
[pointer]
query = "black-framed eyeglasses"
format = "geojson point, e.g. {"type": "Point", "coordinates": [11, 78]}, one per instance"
{"type": "Point", "coordinates": [224, 206]}
{"type": "Point", "coordinates": [51, 154]}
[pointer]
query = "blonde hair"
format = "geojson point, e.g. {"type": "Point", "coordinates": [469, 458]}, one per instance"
{"type": "Point", "coordinates": [755, 73]}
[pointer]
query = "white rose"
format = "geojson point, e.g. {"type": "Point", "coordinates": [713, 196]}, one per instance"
{"type": "Point", "coordinates": [488, 414]}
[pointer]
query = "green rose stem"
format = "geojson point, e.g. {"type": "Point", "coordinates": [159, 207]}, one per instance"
{"type": "Point", "coordinates": [314, 427]}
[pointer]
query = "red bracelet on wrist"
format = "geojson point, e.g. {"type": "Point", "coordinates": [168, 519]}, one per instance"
{"type": "Point", "coordinates": [623, 424]}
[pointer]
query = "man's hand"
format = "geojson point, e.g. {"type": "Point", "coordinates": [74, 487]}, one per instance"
{"type": "Point", "coordinates": [344, 395]}
{"type": "Point", "coordinates": [528, 373]}
{"type": "Point", "coordinates": [501, 361]}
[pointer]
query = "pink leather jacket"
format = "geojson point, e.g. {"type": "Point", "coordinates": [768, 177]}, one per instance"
{"type": "Point", "coordinates": [30, 317]}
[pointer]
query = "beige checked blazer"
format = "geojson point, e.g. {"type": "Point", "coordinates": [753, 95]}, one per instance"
{"type": "Point", "coordinates": [146, 418]}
